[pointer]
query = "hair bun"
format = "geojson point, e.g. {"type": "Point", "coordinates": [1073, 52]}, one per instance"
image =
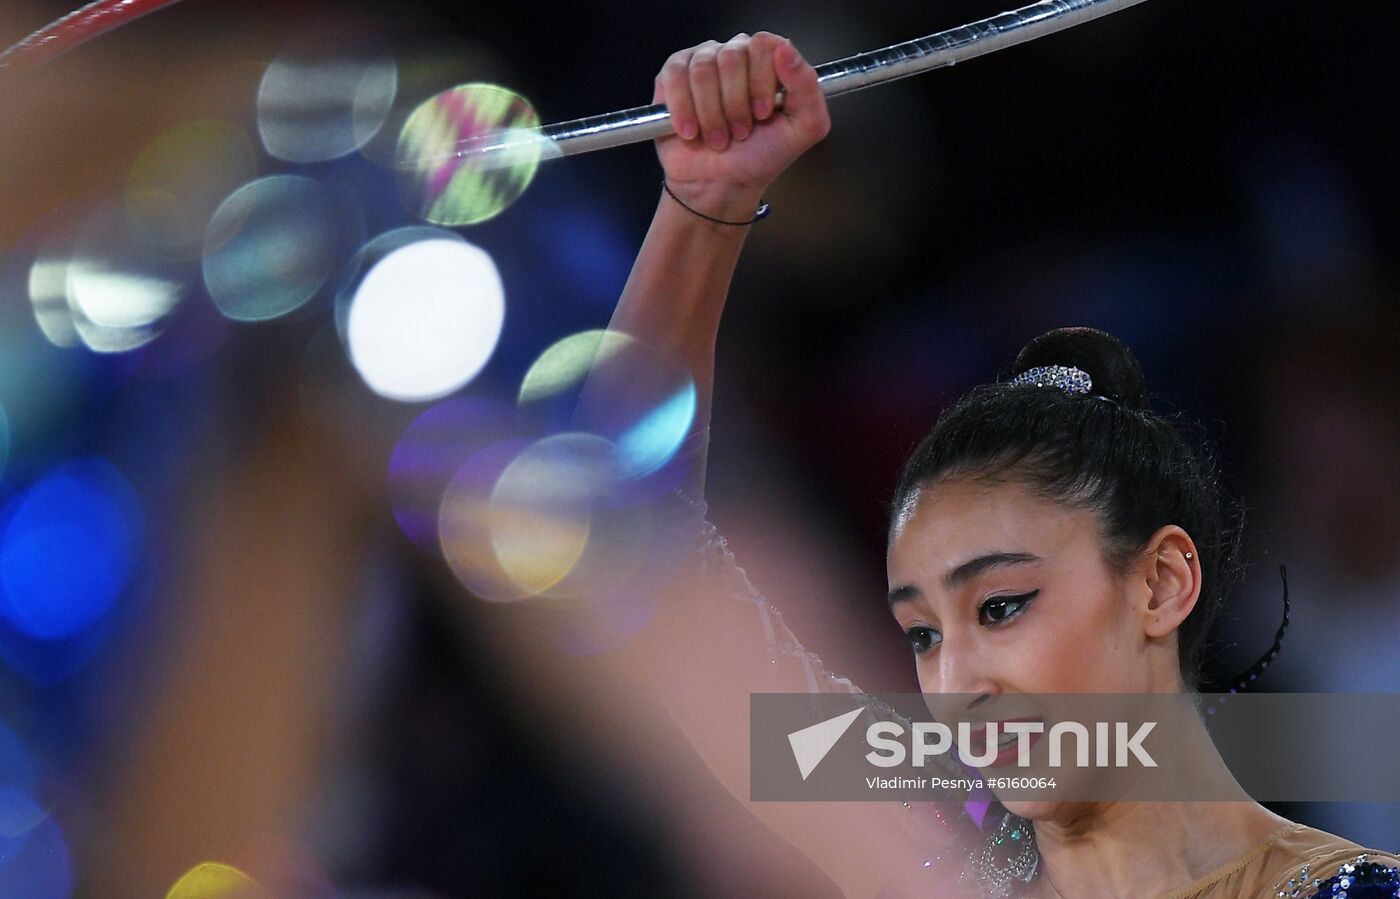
{"type": "Point", "coordinates": [1106, 359]}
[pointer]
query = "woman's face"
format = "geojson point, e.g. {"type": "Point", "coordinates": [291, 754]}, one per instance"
{"type": "Point", "coordinates": [1005, 594]}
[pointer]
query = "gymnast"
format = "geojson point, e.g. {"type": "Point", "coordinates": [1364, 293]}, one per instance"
{"type": "Point", "coordinates": [1090, 542]}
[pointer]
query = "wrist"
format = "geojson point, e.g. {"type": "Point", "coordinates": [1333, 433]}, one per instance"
{"type": "Point", "coordinates": [718, 200]}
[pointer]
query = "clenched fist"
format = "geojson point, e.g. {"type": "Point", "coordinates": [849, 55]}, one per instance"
{"type": "Point", "coordinates": [730, 140]}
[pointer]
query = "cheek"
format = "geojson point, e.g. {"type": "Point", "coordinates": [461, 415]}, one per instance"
{"type": "Point", "coordinates": [927, 672]}
{"type": "Point", "coordinates": [1088, 649]}
{"type": "Point", "coordinates": [1068, 644]}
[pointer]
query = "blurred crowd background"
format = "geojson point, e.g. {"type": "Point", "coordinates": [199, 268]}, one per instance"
{"type": "Point", "coordinates": [221, 638]}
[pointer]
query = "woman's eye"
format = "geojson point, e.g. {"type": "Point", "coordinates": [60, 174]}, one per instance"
{"type": "Point", "coordinates": [923, 639]}
{"type": "Point", "coordinates": [999, 609]}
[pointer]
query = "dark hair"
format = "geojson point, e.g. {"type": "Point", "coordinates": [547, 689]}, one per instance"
{"type": "Point", "coordinates": [1131, 467]}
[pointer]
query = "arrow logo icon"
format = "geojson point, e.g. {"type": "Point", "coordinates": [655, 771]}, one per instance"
{"type": "Point", "coordinates": [811, 744]}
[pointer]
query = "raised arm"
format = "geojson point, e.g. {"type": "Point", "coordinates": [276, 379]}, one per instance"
{"type": "Point", "coordinates": [716, 639]}
{"type": "Point", "coordinates": [730, 146]}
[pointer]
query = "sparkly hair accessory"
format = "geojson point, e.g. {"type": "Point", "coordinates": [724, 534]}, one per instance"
{"type": "Point", "coordinates": [1065, 377]}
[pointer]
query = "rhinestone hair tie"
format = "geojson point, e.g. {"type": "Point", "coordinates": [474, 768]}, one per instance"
{"type": "Point", "coordinates": [1066, 377]}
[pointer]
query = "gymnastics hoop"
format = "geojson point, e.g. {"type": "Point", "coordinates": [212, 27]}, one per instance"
{"type": "Point", "coordinates": [642, 123]}
{"type": "Point", "coordinates": [76, 28]}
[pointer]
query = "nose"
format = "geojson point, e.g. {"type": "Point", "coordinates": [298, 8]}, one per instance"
{"type": "Point", "coordinates": [964, 674]}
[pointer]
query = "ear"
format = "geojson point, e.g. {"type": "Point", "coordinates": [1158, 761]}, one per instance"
{"type": "Point", "coordinates": [1172, 570]}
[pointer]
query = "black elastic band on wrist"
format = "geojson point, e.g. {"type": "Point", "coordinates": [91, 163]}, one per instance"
{"type": "Point", "coordinates": [762, 212]}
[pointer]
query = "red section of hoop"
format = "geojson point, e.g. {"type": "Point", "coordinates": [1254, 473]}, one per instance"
{"type": "Point", "coordinates": [78, 27]}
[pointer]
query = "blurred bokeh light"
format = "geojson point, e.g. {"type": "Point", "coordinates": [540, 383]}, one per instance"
{"type": "Point", "coordinates": [610, 384]}
{"type": "Point", "coordinates": [270, 247]}
{"type": "Point", "coordinates": [48, 293]}
{"type": "Point", "coordinates": [213, 880]}
{"type": "Point", "coordinates": [556, 521]}
{"type": "Point", "coordinates": [323, 109]}
{"type": "Point", "coordinates": [426, 319]}
{"type": "Point", "coordinates": [90, 281]}
{"type": "Point", "coordinates": [370, 255]}
{"type": "Point", "coordinates": [431, 451]}
{"type": "Point", "coordinates": [35, 861]}
{"type": "Point", "coordinates": [180, 179]}
{"type": "Point", "coordinates": [450, 175]}
{"type": "Point", "coordinates": [542, 507]}
{"type": "Point", "coordinates": [68, 546]}
{"type": "Point", "coordinates": [119, 295]}
{"type": "Point", "coordinates": [466, 519]}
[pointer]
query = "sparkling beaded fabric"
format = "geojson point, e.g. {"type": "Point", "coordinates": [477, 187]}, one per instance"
{"type": "Point", "coordinates": [1356, 879]}
{"type": "Point", "coordinates": [1065, 377]}
{"type": "Point", "coordinates": [1007, 861]}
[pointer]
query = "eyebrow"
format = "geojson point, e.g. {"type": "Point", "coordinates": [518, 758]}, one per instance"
{"type": "Point", "coordinates": [965, 572]}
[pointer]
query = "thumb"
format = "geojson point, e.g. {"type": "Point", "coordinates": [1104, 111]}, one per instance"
{"type": "Point", "coordinates": [804, 104]}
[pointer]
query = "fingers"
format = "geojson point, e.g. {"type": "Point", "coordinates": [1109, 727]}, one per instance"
{"type": "Point", "coordinates": [763, 78]}
{"type": "Point", "coordinates": [673, 89]}
{"type": "Point", "coordinates": [717, 92]}
{"type": "Point", "coordinates": [733, 62]}
{"type": "Point", "coordinates": [803, 101]}
{"type": "Point", "coordinates": [705, 93]}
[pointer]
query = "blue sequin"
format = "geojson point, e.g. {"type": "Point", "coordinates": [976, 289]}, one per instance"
{"type": "Point", "coordinates": [1358, 880]}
